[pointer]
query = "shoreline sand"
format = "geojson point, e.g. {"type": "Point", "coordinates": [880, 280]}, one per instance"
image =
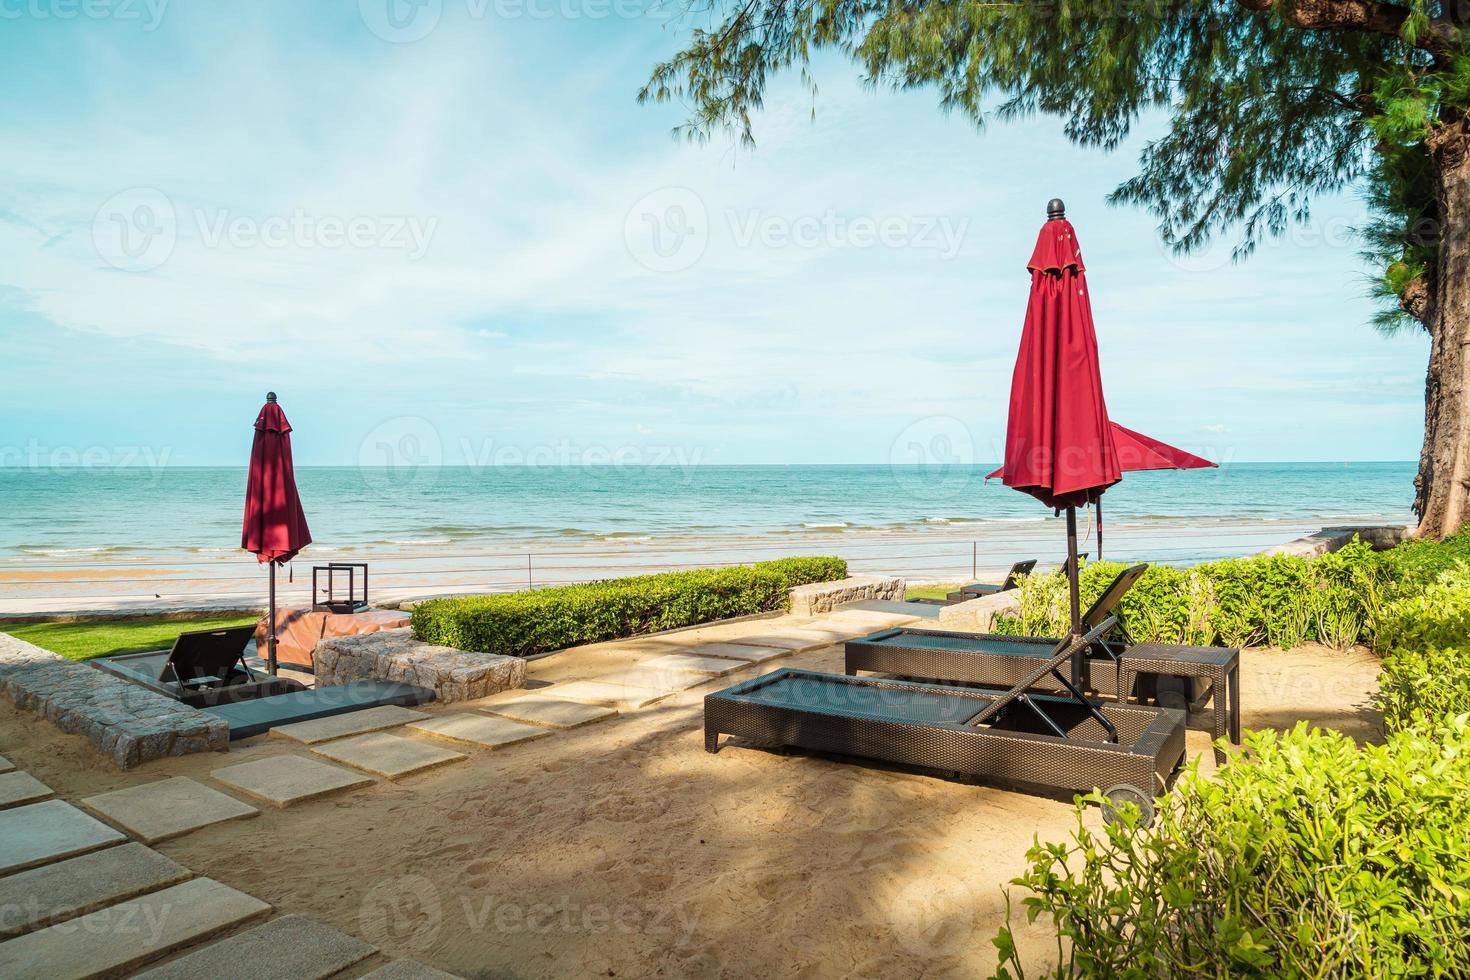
{"type": "Point", "coordinates": [173, 581]}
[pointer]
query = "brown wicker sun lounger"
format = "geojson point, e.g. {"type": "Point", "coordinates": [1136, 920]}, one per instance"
{"type": "Point", "coordinates": [977, 590]}
{"type": "Point", "coordinates": [1016, 736]}
{"type": "Point", "coordinates": [992, 658]}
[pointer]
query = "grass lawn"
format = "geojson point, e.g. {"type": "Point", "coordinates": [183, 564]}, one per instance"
{"type": "Point", "coordinates": [931, 591]}
{"type": "Point", "coordinates": [83, 641]}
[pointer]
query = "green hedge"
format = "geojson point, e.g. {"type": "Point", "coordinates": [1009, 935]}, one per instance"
{"type": "Point", "coordinates": [1282, 600]}
{"type": "Point", "coordinates": [525, 623]}
{"type": "Point", "coordinates": [1306, 857]}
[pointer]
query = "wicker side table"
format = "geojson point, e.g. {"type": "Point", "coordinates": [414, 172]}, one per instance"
{"type": "Point", "coordinates": [1220, 665]}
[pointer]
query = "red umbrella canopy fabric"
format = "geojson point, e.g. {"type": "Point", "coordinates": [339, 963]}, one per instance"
{"type": "Point", "coordinates": [1059, 443]}
{"type": "Point", "coordinates": [1136, 451]}
{"type": "Point", "coordinates": [275, 525]}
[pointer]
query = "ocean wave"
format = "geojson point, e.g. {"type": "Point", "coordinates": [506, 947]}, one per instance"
{"type": "Point", "coordinates": [419, 541]}
{"type": "Point", "coordinates": [49, 551]}
{"type": "Point", "coordinates": [825, 525]}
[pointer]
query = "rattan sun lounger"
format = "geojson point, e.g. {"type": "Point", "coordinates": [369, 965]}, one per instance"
{"type": "Point", "coordinates": [1016, 736]}
{"type": "Point", "coordinates": [991, 658]}
{"type": "Point", "coordinates": [977, 590]}
{"type": "Point", "coordinates": [204, 667]}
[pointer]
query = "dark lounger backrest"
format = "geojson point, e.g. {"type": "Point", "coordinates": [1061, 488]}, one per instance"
{"type": "Point", "coordinates": [206, 653]}
{"type": "Point", "coordinates": [1017, 570]}
{"type": "Point", "coordinates": [1107, 603]}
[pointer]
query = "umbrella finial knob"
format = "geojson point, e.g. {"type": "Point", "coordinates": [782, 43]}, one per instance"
{"type": "Point", "coordinates": [1056, 209]}
{"type": "Point", "coordinates": [270, 396]}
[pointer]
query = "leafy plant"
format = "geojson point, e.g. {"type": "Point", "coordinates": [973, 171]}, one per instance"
{"type": "Point", "coordinates": [525, 623]}
{"type": "Point", "coordinates": [1307, 856]}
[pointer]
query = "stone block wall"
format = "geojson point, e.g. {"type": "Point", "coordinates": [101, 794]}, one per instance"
{"type": "Point", "coordinates": [127, 723]}
{"type": "Point", "coordinates": [394, 655]}
{"type": "Point", "coordinates": [979, 615]}
{"type": "Point", "coordinates": [822, 597]}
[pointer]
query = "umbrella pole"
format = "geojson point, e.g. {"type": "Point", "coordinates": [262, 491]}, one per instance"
{"type": "Point", "coordinates": [1076, 600]}
{"type": "Point", "coordinates": [270, 640]}
{"type": "Point", "coordinates": [1073, 593]}
{"type": "Point", "coordinates": [1098, 504]}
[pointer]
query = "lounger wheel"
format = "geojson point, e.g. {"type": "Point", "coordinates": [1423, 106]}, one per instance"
{"type": "Point", "coordinates": [1122, 793]}
{"type": "Point", "coordinates": [1171, 691]}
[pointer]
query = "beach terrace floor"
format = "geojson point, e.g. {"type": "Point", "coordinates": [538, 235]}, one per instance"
{"type": "Point", "coordinates": [578, 827]}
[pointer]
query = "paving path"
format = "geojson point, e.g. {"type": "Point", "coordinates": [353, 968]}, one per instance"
{"type": "Point", "coordinates": [77, 880]}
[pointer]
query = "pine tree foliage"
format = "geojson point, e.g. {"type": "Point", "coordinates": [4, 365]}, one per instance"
{"type": "Point", "coordinates": [1269, 103]}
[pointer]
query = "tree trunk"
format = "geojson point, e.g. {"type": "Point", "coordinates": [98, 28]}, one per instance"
{"type": "Point", "coordinates": [1442, 488]}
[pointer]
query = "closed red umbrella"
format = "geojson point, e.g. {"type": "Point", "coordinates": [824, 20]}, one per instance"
{"type": "Point", "coordinates": [275, 525]}
{"type": "Point", "coordinates": [1059, 442]}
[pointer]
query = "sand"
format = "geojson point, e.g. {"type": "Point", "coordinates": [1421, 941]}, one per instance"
{"type": "Point", "coordinates": [624, 849]}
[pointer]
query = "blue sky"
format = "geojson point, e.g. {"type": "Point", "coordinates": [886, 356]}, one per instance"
{"type": "Point", "coordinates": [473, 245]}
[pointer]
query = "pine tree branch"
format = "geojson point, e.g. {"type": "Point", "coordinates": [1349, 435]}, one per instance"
{"type": "Point", "coordinates": [1440, 38]}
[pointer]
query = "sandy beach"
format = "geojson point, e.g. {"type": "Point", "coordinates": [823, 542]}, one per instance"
{"type": "Point", "coordinates": [143, 581]}
{"type": "Point", "coordinates": [622, 848]}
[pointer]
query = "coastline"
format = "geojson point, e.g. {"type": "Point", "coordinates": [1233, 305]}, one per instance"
{"type": "Point", "coordinates": [166, 580]}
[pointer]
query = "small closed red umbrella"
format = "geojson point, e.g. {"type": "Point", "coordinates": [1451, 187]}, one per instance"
{"type": "Point", "coordinates": [1059, 442]}
{"type": "Point", "coordinates": [275, 525]}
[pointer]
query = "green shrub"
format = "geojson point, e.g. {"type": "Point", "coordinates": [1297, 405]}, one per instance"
{"type": "Point", "coordinates": [1277, 599]}
{"type": "Point", "coordinates": [1424, 686]}
{"type": "Point", "coordinates": [1436, 616]}
{"type": "Point", "coordinates": [525, 623]}
{"type": "Point", "coordinates": [1306, 857]}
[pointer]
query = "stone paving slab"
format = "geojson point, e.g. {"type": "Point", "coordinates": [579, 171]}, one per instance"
{"type": "Point", "coordinates": [408, 970]}
{"type": "Point", "coordinates": [120, 937]}
{"type": "Point", "coordinates": [694, 663]}
{"type": "Point", "coordinates": [787, 640]}
{"type": "Point", "coordinates": [6, 765]}
{"type": "Point", "coordinates": [389, 756]}
{"type": "Point", "coordinates": [352, 723]}
{"type": "Point", "coordinates": [481, 731]}
{"type": "Point", "coordinates": [538, 709]}
{"type": "Point", "coordinates": [17, 788]}
{"type": "Point", "coordinates": [835, 627]}
{"type": "Point", "coordinates": [605, 693]}
{"type": "Point", "coordinates": [57, 892]}
{"type": "Point", "coordinates": [292, 947]}
{"type": "Point", "coordinates": [167, 808]}
{"type": "Point", "coordinates": [745, 653]}
{"type": "Point", "coordinates": [43, 832]}
{"type": "Point", "coordinates": [285, 780]}
{"type": "Point", "coordinates": [869, 618]}
{"type": "Point", "coordinates": [656, 678]}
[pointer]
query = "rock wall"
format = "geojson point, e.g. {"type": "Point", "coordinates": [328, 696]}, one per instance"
{"type": "Point", "coordinates": [1381, 537]}
{"type": "Point", "coordinates": [129, 724]}
{"type": "Point", "coordinates": [979, 615]}
{"type": "Point", "coordinates": [394, 655]}
{"type": "Point", "coordinates": [822, 597]}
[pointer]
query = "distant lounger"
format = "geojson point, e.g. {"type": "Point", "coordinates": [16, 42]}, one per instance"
{"type": "Point", "coordinates": [1069, 743]}
{"type": "Point", "coordinates": [978, 590]}
{"type": "Point", "coordinates": [204, 668]}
